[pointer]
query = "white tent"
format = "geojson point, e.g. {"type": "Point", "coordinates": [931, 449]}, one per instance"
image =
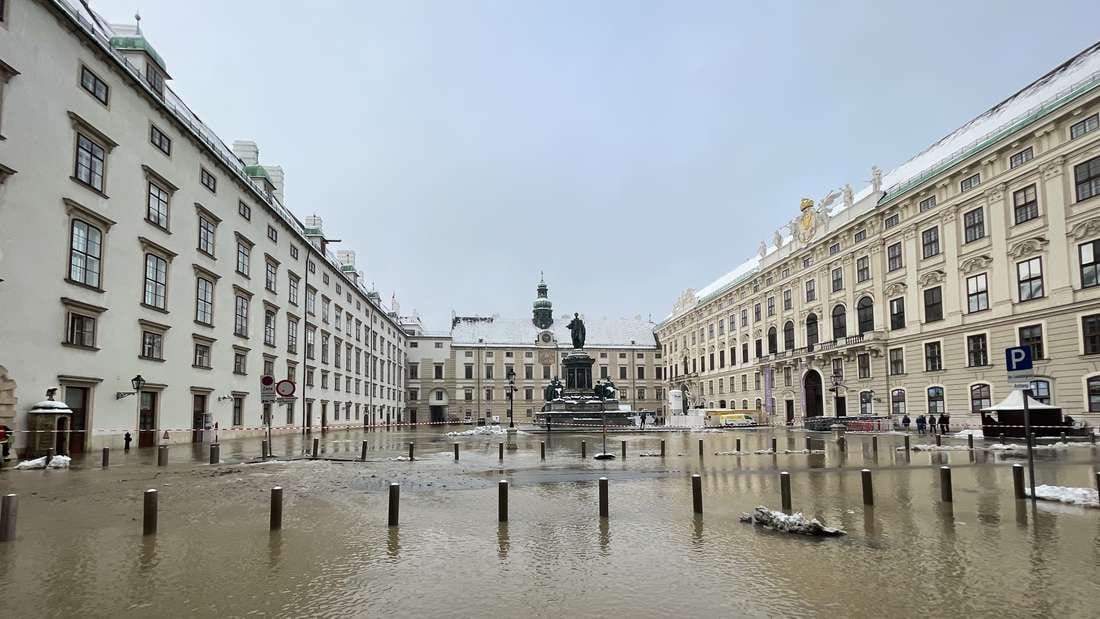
{"type": "Point", "coordinates": [1015, 402]}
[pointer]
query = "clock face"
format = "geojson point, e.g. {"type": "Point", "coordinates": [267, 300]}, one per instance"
{"type": "Point", "coordinates": [546, 338]}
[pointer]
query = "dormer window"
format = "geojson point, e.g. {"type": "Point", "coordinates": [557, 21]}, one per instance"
{"type": "Point", "coordinates": [155, 78]}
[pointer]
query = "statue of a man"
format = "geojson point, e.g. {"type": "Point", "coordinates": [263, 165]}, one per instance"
{"type": "Point", "coordinates": [576, 330]}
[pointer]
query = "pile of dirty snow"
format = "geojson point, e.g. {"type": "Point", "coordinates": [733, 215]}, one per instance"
{"type": "Point", "coordinates": [1016, 447]}
{"type": "Point", "coordinates": [480, 431]}
{"type": "Point", "coordinates": [58, 462]}
{"type": "Point", "coordinates": [796, 523]}
{"type": "Point", "coordinates": [969, 432]}
{"type": "Point", "coordinates": [1073, 496]}
{"type": "Point", "coordinates": [931, 447]}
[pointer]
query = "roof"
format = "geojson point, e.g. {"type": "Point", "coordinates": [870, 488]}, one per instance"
{"type": "Point", "coordinates": [599, 332]}
{"type": "Point", "coordinates": [1015, 402]}
{"type": "Point", "coordinates": [1065, 83]}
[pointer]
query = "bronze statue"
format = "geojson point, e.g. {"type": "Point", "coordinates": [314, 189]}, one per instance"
{"type": "Point", "coordinates": [576, 331]}
{"type": "Point", "coordinates": [554, 390]}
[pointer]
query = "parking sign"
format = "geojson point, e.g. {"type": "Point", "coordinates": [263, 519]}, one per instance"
{"type": "Point", "coordinates": [1018, 365]}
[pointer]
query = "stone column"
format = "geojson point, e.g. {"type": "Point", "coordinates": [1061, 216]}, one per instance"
{"type": "Point", "coordinates": [1059, 262]}
{"type": "Point", "coordinates": [1001, 282]}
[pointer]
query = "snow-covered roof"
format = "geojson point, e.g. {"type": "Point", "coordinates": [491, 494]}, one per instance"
{"type": "Point", "coordinates": [1015, 402]}
{"type": "Point", "coordinates": [1062, 85]}
{"type": "Point", "coordinates": [599, 332]}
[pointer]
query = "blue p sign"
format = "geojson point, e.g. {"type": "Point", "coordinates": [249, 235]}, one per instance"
{"type": "Point", "coordinates": [1018, 358]}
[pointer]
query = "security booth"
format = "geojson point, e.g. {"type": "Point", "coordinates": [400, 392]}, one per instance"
{"type": "Point", "coordinates": [48, 424]}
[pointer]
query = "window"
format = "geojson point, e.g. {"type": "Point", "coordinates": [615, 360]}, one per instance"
{"type": "Point", "coordinates": [90, 159]}
{"type": "Point", "coordinates": [207, 236]}
{"type": "Point", "coordinates": [863, 365]}
{"type": "Point", "coordinates": [930, 242]}
{"type": "Point", "coordinates": [1021, 158]}
{"type": "Point", "coordinates": [310, 340]}
{"type": "Point", "coordinates": [1025, 204]}
{"type": "Point", "coordinates": [202, 355]}
{"type": "Point", "coordinates": [156, 281]}
{"type": "Point", "coordinates": [1032, 335]}
{"type": "Point", "coordinates": [807, 261]}
{"type": "Point", "coordinates": [204, 301]}
{"type": "Point", "coordinates": [927, 204]}
{"type": "Point", "coordinates": [890, 221]}
{"type": "Point", "coordinates": [438, 369]}
{"type": "Point", "coordinates": [977, 351]}
{"type": "Point", "coordinates": [977, 293]}
{"type": "Point", "coordinates": [291, 335]}
{"type": "Point", "coordinates": [838, 279]}
{"type": "Point", "coordinates": [1040, 391]}
{"type": "Point", "coordinates": [744, 317]}
{"type": "Point", "coordinates": [488, 394]}
{"type": "Point", "coordinates": [154, 78]}
{"type": "Point", "coordinates": [811, 291]}
{"type": "Point", "coordinates": [273, 235]}
{"type": "Point", "coordinates": [240, 316]}
{"type": "Point", "coordinates": [1086, 178]}
{"type": "Point", "coordinates": [244, 210]}
{"type": "Point", "coordinates": [840, 322]}
{"type": "Point", "coordinates": [772, 341]}
{"type": "Point", "coordinates": [81, 330]}
{"type": "Point", "coordinates": [243, 251]}
{"type": "Point", "coordinates": [84, 253]}
{"type": "Point", "coordinates": [269, 327]}
{"type": "Point", "coordinates": [897, 361]}
{"type": "Point", "coordinates": [897, 313]}
{"type": "Point", "coordinates": [414, 371]}
{"type": "Point", "coordinates": [160, 140]}
{"type": "Point", "coordinates": [865, 315]}
{"type": "Point", "coordinates": [897, 402]}
{"type": "Point", "coordinates": [238, 411]}
{"type": "Point", "coordinates": [859, 236]}
{"type": "Point", "coordinates": [622, 369]}
{"type": "Point", "coordinates": [933, 357]}
{"type": "Point", "coordinates": [90, 82]}
{"type": "Point", "coordinates": [974, 225]}
{"type": "Point", "coordinates": [893, 257]}
{"type": "Point", "coordinates": [152, 345]}
{"type": "Point", "coordinates": [156, 212]}
{"type": "Point", "coordinates": [980, 398]}
{"type": "Point", "coordinates": [489, 372]}
{"type": "Point", "coordinates": [1029, 275]}
{"type": "Point", "coordinates": [834, 249]}
{"type": "Point", "coordinates": [970, 182]}
{"type": "Point", "coordinates": [324, 347]}
{"type": "Point", "coordinates": [935, 400]}
{"type": "Point", "coordinates": [933, 304]}
{"type": "Point", "coordinates": [771, 307]}
{"type": "Point", "coordinates": [1094, 394]}
{"type": "Point", "coordinates": [811, 330]}
{"type": "Point", "coordinates": [787, 304]}
{"type": "Point", "coordinates": [838, 367]}
{"type": "Point", "coordinates": [294, 252]}
{"type": "Point", "coordinates": [1082, 127]}
{"type": "Point", "coordinates": [865, 403]}
{"type": "Point", "coordinates": [756, 312]}
{"type": "Point", "coordinates": [207, 180]}
{"type": "Point", "coordinates": [788, 338]}
{"type": "Point", "coordinates": [1090, 266]}
{"type": "Point", "coordinates": [863, 269]}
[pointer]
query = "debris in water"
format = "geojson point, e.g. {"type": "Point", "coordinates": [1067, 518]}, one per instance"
{"type": "Point", "coordinates": [795, 523]}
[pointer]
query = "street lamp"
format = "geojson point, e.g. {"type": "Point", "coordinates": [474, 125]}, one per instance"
{"type": "Point", "coordinates": [511, 396]}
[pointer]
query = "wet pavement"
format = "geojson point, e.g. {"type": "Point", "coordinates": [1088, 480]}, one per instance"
{"type": "Point", "coordinates": [80, 551]}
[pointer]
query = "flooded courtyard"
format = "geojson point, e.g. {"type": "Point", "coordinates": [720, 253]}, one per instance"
{"type": "Point", "coordinates": [80, 549]}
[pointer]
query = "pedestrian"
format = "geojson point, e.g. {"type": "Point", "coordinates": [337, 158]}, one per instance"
{"type": "Point", "coordinates": [905, 421]}
{"type": "Point", "coordinates": [944, 423]}
{"type": "Point", "coordinates": [931, 423]}
{"type": "Point", "coordinates": [127, 439]}
{"type": "Point", "coordinates": [920, 424]}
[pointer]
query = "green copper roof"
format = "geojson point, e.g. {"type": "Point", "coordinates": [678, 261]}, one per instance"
{"type": "Point", "coordinates": [140, 44]}
{"type": "Point", "coordinates": [256, 170]}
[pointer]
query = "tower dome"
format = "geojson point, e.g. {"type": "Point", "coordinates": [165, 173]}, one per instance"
{"type": "Point", "coordinates": [543, 312]}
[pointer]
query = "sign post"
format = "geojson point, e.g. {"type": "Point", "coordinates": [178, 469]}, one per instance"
{"type": "Point", "coordinates": [1020, 374]}
{"type": "Point", "coordinates": [267, 396]}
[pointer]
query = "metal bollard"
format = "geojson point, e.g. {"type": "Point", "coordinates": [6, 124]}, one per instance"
{"type": "Point", "coordinates": [316, 447]}
{"type": "Point", "coordinates": [456, 452]}
{"type": "Point", "coordinates": [1062, 437]}
{"type": "Point", "coordinates": [842, 444]}
{"type": "Point", "coordinates": [162, 455]}
{"type": "Point", "coordinates": [502, 500]}
{"type": "Point", "coordinates": [410, 451]}
{"type": "Point", "coordinates": [868, 489]}
{"type": "Point", "coordinates": [774, 446]}
{"type": "Point", "coordinates": [938, 440]}
{"type": "Point", "coordinates": [945, 484]}
{"type": "Point", "coordinates": [603, 497]}
{"type": "Point", "coordinates": [149, 513]}
{"type": "Point", "coordinates": [1002, 439]}
{"type": "Point", "coordinates": [395, 502]}
{"type": "Point", "coordinates": [700, 448]}
{"type": "Point", "coordinates": [1092, 437]}
{"type": "Point", "coordinates": [1018, 481]}
{"type": "Point", "coordinates": [697, 493]}
{"type": "Point", "coordinates": [8, 509]}
{"type": "Point", "coordinates": [785, 490]}
{"type": "Point", "coordinates": [809, 444]}
{"type": "Point", "coordinates": [907, 443]}
{"type": "Point", "coordinates": [106, 457]}
{"type": "Point", "coordinates": [874, 445]}
{"type": "Point", "coordinates": [363, 452]}
{"type": "Point", "coordinates": [263, 449]}
{"type": "Point", "coordinates": [584, 449]}
{"type": "Point", "coordinates": [970, 441]}
{"type": "Point", "coordinates": [215, 453]}
{"type": "Point", "coordinates": [662, 448]}
{"type": "Point", "coordinates": [500, 451]}
{"type": "Point", "coordinates": [276, 508]}
{"type": "Point", "coordinates": [542, 450]}
{"type": "Point", "coordinates": [738, 445]}
{"type": "Point", "coordinates": [49, 457]}
{"type": "Point", "coordinates": [624, 450]}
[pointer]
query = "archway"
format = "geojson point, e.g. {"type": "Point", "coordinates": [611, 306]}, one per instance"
{"type": "Point", "coordinates": [812, 390]}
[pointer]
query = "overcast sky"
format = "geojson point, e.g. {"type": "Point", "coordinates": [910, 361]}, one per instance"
{"type": "Point", "coordinates": [628, 149]}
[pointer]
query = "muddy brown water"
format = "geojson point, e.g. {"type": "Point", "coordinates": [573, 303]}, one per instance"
{"type": "Point", "coordinates": [80, 552]}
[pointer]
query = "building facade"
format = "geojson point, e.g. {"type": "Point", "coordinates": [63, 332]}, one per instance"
{"type": "Point", "coordinates": [462, 375]}
{"type": "Point", "coordinates": [902, 297]}
{"type": "Point", "coordinates": [135, 242]}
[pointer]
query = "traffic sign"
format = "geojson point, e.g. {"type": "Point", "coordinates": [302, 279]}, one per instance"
{"type": "Point", "coordinates": [267, 388]}
{"type": "Point", "coordinates": [1018, 364]}
{"type": "Point", "coordinates": [290, 400]}
{"type": "Point", "coordinates": [284, 388]}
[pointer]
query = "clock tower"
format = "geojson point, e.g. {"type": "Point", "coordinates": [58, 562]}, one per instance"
{"type": "Point", "coordinates": [543, 313]}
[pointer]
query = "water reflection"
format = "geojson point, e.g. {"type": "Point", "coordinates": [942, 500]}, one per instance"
{"type": "Point", "coordinates": [503, 544]}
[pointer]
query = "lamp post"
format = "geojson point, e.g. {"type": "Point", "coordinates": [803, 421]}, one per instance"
{"type": "Point", "coordinates": [511, 396]}
{"type": "Point", "coordinates": [137, 383]}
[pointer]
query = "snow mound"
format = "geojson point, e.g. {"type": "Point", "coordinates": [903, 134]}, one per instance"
{"type": "Point", "coordinates": [1073, 496]}
{"type": "Point", "coordinates": [930, 447]}
{"type": "Point", "coordinates": [401, 459]}
{"type": "Point", "coordinates": [58, 462]}
{"type": "Point", "coordinates": [700, 430]}
{"type": "Point", "coordinates": [795, 523]}
{"type": "Point", "coordinates": [966, 433]}
{"type": "Point", "coordinates": [480, 431]}
{"type": "Point", "coordinates": [803, 451]}
{"type": "Point", "coordinates": [1016, 447]}
{"type": "Point", "coordinates": [763, 451]}
{"type": "Point", "coordinates": [732, 453]}
{"type": "Point", "coordinates": [649, 455]}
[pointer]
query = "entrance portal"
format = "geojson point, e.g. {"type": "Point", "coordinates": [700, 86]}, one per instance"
{"type": "Point", "coordinates": [147, 420]}
{"type": "Point", "coordinates": [790, 411]}
{"type": "Point", "coordinates": [198, 417]}
{"type": "Point", "coordinates": [841, 404]}
{"type": "Point", "coordinates": [439, 414]}
{"type": "Point", "coordinates": [76, 398]}
{"type": "Point", "coordinates": [811, 386]}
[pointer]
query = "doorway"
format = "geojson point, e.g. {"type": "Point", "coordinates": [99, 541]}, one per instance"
{"type": "Point", "coordinates": [76, 398]}
{"type": "Point", "coordinates": [438, 414]}
{"type": "Point", "coordinates": [811, 386]}
{"type": "Point", "coordinates": [789, 406]}
{"type": "Point", "coordinates": [309, 417]}
{"type": "Point", "coordinates": [841, 404]}
{"type": "Point", "coordinates": [198, 417]}
{"type": "Point", "coordinates": [147, 420]}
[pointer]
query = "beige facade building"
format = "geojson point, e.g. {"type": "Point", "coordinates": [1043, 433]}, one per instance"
{"type": "Point", "coordinates": [462, 374]}
{"type": "Point", "coordinates": [902, 297]}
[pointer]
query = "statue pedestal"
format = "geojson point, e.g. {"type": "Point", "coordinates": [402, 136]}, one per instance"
{"type": "Point", "coordinates": [577, 367]}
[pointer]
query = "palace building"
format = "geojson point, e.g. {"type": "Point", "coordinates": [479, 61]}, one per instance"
{"type": "Point", "coordinates": [133, 241]}
{"type": "Point", "coordinates": [902, 297]}
{"type": "Point", "coordinates": [463, 374]}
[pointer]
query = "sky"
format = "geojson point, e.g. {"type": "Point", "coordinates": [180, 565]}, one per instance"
{"type": "Point", "coordinates": [627, 149]}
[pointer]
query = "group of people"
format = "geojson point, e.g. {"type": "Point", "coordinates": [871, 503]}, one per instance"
{"type": "Point", "coordinates": [928, 423]}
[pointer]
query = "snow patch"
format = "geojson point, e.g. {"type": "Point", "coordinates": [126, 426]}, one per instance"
{"type": "Point", "coordinates": [480, 431]}
{"type": "Point", "coordinates": [929, 447]}
{"type": "Point", "coordinates": [795, 523]}
{"type": "Point", "coordinates": [966, 433]}
{"type": "Point", "coordinates": [1063, 494]}
{"type": "Point", "coordinates": [57, 462]}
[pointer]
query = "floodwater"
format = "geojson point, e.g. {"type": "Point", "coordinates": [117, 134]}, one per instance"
{"type": "Point", "coordinates": [80, 552]}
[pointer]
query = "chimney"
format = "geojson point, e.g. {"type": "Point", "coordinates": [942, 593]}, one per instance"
{"type": "Point", "coordinates": [247, 151]}
{"type": "Point", "coordinates": [277, 176]}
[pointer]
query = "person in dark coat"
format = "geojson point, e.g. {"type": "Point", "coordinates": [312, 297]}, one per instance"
{"type": "Point", "coordinates": [931, 423]}
{"type": "Point", "coordinates": [905, 421]}
{"type": "Point", "coordinates": [920, 424]}
{"type": "Point", "coordinates": [945, 422]}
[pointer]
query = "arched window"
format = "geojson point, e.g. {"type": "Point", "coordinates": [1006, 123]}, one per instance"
{"type": "Point", "coordinates": [744, 404]}
{"type": "Point", "coordinates": [1094, 394]}
{"type": "Point", "coordinates": [772, 345]}
{"type": "Point", "coordinates": [980, 398]}
{"type": "Point", "coordinates": [811, 330]}
{"type": "Point", "coordinates": [721, 403]}
{"type": "Point", "coordinates": [935, 400]}
{"type": "Point", "coordinates": [840, 322]}
{"type": "Point", "coordinates": [866, 407]}
{"type": "Point", "coordinates": [758, 404]}
{"type": "Point", "coordinates": [1040, 391]}
{"type": "Point", "coordinates": [897, 402]}
{"type": "Point", "coordinates": [865, 315]}
{"type": "Point", "coordinates": [788, 335]}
